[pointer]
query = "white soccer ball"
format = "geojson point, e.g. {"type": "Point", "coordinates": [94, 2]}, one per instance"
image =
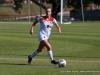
{"type": "Point", "coordinates": [62, 63]}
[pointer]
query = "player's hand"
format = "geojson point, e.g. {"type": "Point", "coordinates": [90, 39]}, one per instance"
{"type": "Point", "coordinates": [31, 31]}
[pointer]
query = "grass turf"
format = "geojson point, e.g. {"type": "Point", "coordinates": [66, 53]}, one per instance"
{"type": "Point", "coordinates": [78, 44]}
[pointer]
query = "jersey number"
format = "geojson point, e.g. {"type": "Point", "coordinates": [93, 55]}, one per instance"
{"type": "Point", "coordinates": [48, 26]}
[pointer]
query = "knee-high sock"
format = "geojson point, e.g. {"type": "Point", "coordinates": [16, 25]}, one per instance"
{"type": "Point", "coordinates": [34, 53]}
{"type": "Point", "coordinates": [50, 54]}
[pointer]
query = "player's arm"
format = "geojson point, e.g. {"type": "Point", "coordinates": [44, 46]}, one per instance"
{"type": "Point", "coordinates": [32, 27]}
{"type": "Point", "coordinates": [58, 27]}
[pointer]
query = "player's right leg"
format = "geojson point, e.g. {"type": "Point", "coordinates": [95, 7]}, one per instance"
{"type": "Point", "coordinates": [40, 48]}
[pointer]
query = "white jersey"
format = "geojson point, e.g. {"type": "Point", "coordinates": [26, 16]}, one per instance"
{"type": "Point", "coordinates": [45, 27]}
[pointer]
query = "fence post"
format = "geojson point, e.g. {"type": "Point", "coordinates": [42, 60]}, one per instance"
{"type": "Point", "coordinates": [29, 10]}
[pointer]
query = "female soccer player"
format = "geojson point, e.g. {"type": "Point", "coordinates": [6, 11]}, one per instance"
{"type": "Point", "coordinates": [46, 23]}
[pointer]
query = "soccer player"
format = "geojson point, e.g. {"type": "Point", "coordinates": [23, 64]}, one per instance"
{"type": "Point", "coordinates": [46, 23]}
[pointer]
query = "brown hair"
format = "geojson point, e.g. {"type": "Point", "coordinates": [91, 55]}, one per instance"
{"type": "Point", "coordinates": [48, 8]}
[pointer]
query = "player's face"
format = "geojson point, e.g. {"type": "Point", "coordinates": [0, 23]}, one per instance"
{"type": "Point", "coordinates": [48, 12]}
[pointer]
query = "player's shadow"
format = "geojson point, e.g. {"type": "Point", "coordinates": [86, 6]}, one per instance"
{"type": "Point", "coordinates": [12, 64]}
{"type": "Point", "coordinates": [40, 65]}
{"type": "Point", "coordinates": [14, 54]}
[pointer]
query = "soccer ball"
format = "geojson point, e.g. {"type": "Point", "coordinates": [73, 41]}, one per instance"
{"type": "Point", "coordinates": [61, 63]}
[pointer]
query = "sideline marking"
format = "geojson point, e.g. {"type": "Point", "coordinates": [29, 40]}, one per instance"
{"type": "Point", "coordinates": [47, 59]}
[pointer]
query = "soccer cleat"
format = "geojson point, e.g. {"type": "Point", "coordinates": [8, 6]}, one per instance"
{"type": "Point", "coordinates": [54, 62]}
{"type": "Point", "coordinates": [29, 59]}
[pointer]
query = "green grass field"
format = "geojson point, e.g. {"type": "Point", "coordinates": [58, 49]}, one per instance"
{"type": "Point", "coordinates": [78, 44]}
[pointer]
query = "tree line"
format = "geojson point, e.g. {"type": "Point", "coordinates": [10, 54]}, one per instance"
{"type": "Point", "coordinates": [76, 4]}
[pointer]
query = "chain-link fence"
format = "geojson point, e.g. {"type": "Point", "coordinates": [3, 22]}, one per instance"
{"type": "Point", "coordinates": [27, 11]}
{"type": "Point", "coordinates": [10, 13]}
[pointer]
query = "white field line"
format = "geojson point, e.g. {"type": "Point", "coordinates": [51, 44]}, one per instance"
{"type": "Point", "coordinates": [83, 61]}
{"type": "Point", "coordinates": [16, 22]}
{"type": "Point", "coordinates": [48, 60]}
{"type": "Point", "coordinates": [26, 22]}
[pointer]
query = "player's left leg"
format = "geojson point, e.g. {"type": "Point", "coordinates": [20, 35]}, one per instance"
{"type": "Point", "coordinates": [50, 53]}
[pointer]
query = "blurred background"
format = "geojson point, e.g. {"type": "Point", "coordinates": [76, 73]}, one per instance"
{"type": "Point", "coordinates": [28, 10]}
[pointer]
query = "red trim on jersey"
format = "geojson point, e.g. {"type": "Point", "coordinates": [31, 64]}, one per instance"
{"type": "Point", "coordinates": [45, 18]}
